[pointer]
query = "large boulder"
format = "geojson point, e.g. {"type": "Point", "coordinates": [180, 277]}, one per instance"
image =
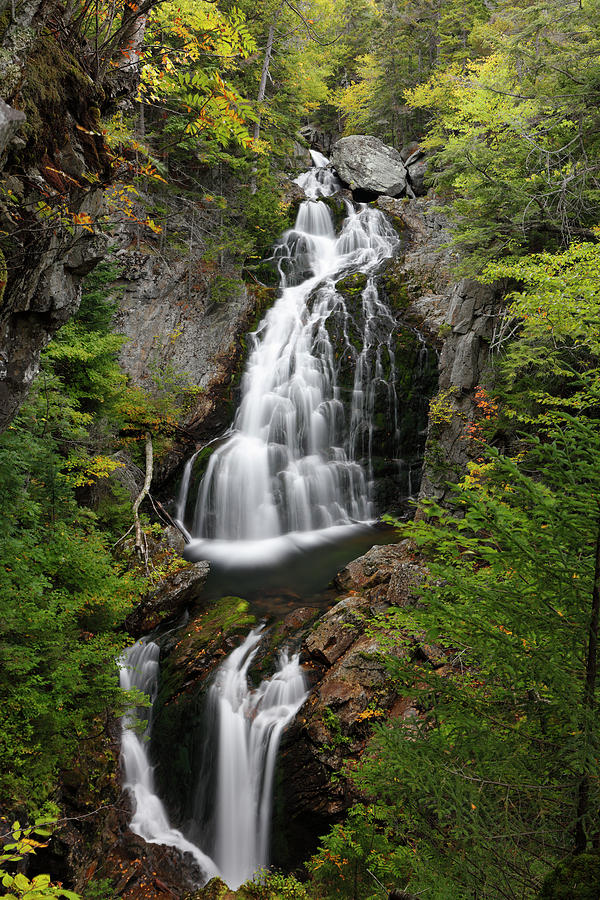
{"type": "Point", "coordinates": [365, 163]}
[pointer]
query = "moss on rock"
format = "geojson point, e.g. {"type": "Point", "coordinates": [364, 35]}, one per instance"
{"type": "Point", "coordinates": [395, 286]}
{"type": "Point", "coordinates": [55, 85]}
{"type": "Point", "coordinates": [352, 285]}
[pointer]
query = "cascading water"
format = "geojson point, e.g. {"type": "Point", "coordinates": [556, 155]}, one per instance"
{"type": "Point", "coordinates": [249, 724]}
{"type": "Point", "coordinates": [296, 470]}
{"type": "Point", "coordinates": [139, 669]}
{"type": "Point", "coordinates": [298, 459]}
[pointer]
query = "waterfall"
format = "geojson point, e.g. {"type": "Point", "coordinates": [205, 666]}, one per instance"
{"type": "Point", "coordinates": [298, 459]}
{"type": "Point", "coordinates": [295, 470]}
{"type": "Point", "coordinates": [139, 669]}
{"type": "Point", "coordinates": [249, 725]}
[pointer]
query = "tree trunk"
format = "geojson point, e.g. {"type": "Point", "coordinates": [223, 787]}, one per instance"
{"type": "Point", "coordinates": [262, 87]}
{"type": "Point", "coordinates": [134, 25]}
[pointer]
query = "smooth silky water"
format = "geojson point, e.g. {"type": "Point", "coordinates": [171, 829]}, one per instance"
{"type": "Point", "coordinates": [285, 502]}
{"type": "Point", "coordinates": [296, 469]}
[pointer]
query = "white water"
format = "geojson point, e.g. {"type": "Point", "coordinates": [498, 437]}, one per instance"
{"type": "Point", "coordinates": [139, 669]}
{"type": "Point", "coordinates": [250, 724]}
{"type": "Point", "coordinates": [294, 471]}
{"type": "Point", "coordinates": [299, 455]}
{"type": "Point", "coordinates": [249, 727]}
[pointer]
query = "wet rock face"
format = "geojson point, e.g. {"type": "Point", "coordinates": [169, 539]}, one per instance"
{"type": "Point", "coordinates": [456, 317]}
{"type": "Point", "coordinates": [345, 656]}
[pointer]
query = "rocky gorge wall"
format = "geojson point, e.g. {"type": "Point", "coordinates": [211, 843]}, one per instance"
{"type": "Point", "coordinates": [457, 318]}
{"type": "Point", "coordinates": [50, 151]}
{"type": "Point", "coordinates": [175, 331]}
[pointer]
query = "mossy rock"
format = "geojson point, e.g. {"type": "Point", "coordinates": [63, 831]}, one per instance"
{"type": "Point", "coordinates": [56, 86]}
{"type": "Point", "coordinates": [214, 890]}
{"type": "Point", "coordinates": [575, 878]}
{"type": "Point", "coordinates": [394, 284]}
{"type": "Point", "coordinates": [352, 285]}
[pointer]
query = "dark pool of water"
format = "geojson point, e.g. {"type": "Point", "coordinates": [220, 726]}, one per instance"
{"type": "Point", "coordinates": [301, 577]}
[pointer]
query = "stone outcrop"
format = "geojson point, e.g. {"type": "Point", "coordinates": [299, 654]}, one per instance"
{"type": "Point", "coordinates": [364, 162]}
{"type": "Point", "coordinates": [456, 317]}
{"type": "Point", "coordinates": [472, 312]}
{"type": "Point", "coordinates": [176, 328]}
{"type": "Point", "coordinates": [10, 121]}
{"type": "Point", "coordinates": [345, 654]}
{"type": "Point", "coordinates": [320, 140]}
{"type": "Point", "coordinates": [169, 600]}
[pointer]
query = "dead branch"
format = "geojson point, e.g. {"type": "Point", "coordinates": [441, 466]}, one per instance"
{"type": "Point", "coordinates": [141, 545]}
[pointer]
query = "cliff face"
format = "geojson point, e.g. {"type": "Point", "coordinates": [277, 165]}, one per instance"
{"type": "Point", "coordinates": [50, 154]}
{"type": "Point", "coordinates": [455, 317]}
{"type": "Point", "coordinates": [176, 328]}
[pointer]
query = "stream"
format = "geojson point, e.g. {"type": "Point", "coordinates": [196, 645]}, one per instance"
{"type": "Point", "coordinates": [289, 496]}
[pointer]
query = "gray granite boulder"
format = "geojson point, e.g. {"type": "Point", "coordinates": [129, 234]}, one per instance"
{"type": "Point", "coordinates": [364, 162]}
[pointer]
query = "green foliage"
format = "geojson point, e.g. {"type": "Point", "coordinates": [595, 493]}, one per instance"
{"type": "Point", "coordinates": [100, 889]}
{"type": "Point", "coordinates": [404, 42]}
{"type": "Point", "coordinates": [357, 856]}
{"type": "Point", "coordinates": [556, 311]}
{"type": "Point", "coordinates": [19, 886]}
{"type": "Point", "coordinates": [271, 885]}
{"type": "Point", "coordinates": [333, 724]}
{"type": "Point", "coordinates": [63, 596]}
{"type": "Point", "coordinates": [575, 878]}
{"type": "Point", "coordinates": [62, 599]}
{"type": "Point", "coordinates": [188, 47]}
{"type": "Point", "coordinates": [515, 132]}
{"type": "Point", "coordinates": [493, 767]}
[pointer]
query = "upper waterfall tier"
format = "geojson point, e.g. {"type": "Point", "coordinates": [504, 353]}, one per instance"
{"type": "Point", "coordinates": [298, 458]}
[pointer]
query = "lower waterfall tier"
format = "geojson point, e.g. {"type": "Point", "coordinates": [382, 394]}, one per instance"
{"type": "Point", "coordinates": [246, 725]}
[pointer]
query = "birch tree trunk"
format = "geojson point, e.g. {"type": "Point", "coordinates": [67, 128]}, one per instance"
{"type": "Point", "coordinates": [140, 540]}
{"type": "Point", "coordinates": [262, 87]}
